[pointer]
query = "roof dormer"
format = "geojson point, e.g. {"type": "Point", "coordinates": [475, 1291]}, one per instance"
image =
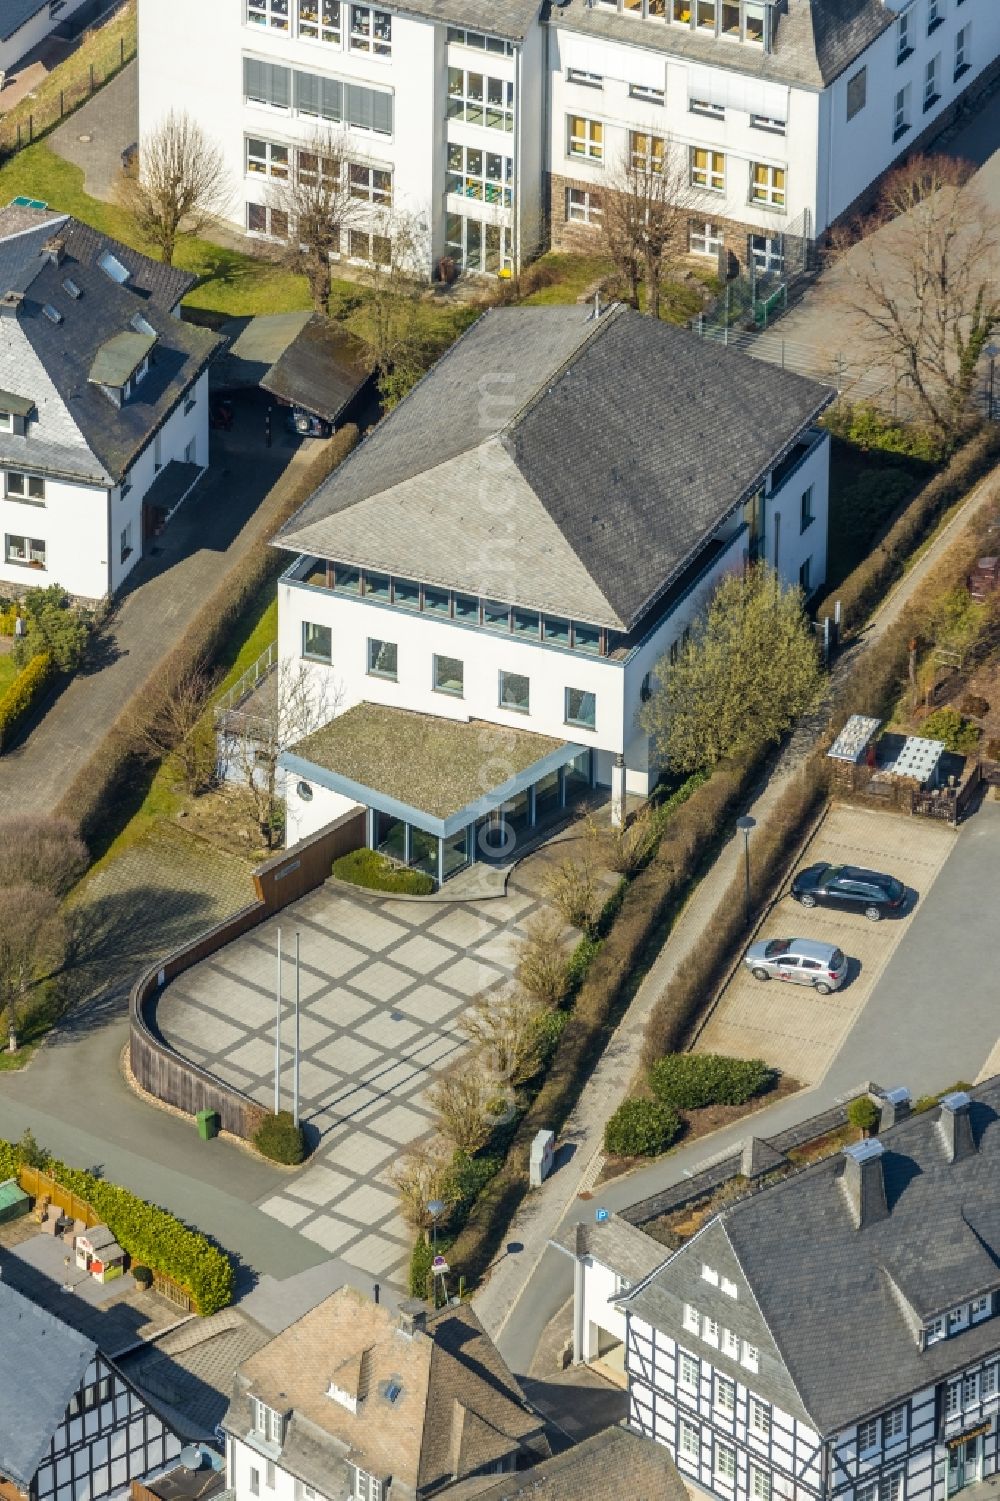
{"type": "Point", "coordinates": [14, 413]}
{"type": "Point", "coordinates": [121, 363]}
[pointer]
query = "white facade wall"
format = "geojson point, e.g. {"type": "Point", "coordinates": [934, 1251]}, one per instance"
{"type": "Point", "coordinates": [33, 32]}
{"type": "Point", "coordinates": [601, 1318]}
{"type": "Point", "coordinates": [272, 1483]}
{"type": "Point", "coordinates": [209, 85]}
{"type": "Point", "coordinates": [104, 1442]}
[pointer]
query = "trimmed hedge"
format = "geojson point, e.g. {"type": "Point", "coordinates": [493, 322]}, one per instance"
{"type": "Point", "coordinates": [23, 694]}
{"type": "Point", "coordinates": [372, 870]}
{"type": "Point", "coordinates": [641, 1128]}
{"type": "Point", "coordinates": [95, 796]}
{"type": "Point", "coordinates": [690, 1081]}
{"type": "Point", "coordinates": [152, 1236]}
{"type": "Point", "coordinates": [862, 590]}
{"type": "Point", "coordinates": [279, 1138]}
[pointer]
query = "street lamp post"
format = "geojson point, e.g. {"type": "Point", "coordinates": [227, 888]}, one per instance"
{"type": "Point", "coordinates": [435, 1209]}
{"type": "Point", "coordinates": [745, 824]}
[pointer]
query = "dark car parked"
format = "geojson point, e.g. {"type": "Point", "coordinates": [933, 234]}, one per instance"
{"type": "Point", "coordinates": [868, 891]}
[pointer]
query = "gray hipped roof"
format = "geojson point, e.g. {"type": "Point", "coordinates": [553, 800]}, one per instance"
{"type": "Point", "coordinates": [814, 40]}
{"type": "Point", "coordinates": [565, 463]}
{"type": "Point", "coordinates": [35, 1388]}
{"type": "Point", "coordinates": [814, 1291]}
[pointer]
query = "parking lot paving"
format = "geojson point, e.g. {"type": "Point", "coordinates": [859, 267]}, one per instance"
{"type": "Point", "coordinates": [384, 984]}
{"type": "Point", "coordinates": [789, 1025]}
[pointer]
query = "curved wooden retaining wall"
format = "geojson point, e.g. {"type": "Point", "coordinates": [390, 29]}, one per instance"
{"type": "Point", "coordinates": [162, 1072]}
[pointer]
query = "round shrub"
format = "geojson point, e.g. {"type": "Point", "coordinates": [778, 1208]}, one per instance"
{"type": "Point", "coordinates": [641, 1128]}
{"type": "Point", "coordinates": [689, 1081]}
{"type": "Point", "coordinates": [373, 871]}
{"type": "Point", "coordinates": [958, 733]}
{"type": "Point", "coordinates": [142, 1276]}
{"type": "Point", "coordinates": [863, 1114]}
{"type": "Point", "coordinates": [975, 704]}
{"type": "Point", "coordinates": [279, 1138]}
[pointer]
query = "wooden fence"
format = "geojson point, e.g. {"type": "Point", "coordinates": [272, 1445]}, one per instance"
{"type": "Point", "coordinates": [21, 128]}
{"type": "Point", "coordinates": [40, 1186]}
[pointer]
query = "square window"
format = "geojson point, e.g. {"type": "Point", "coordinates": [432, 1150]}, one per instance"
{"type": "Point", "coordinates": [317, 642]}
{"type": "Point", "coordinates": [704, 238]}
{"type": "Point", "coordinates": [377, 586]}
{"type": "Point", "coordinates": [437, 601]}
{"type": "Point", "coordinates": [980, 1308]}
{"type": "Point", "coordinates": [710, 1274]}
{"type": "Point", "coordinates": [406, 593]}
{"type": "Point", "coordinates": [767, 185]}
{"type": "Point", "coordinates": [708, 169]}
{"type": "Point", "coordinates": [581, 708]}
{"type": "Point", "coordinates": [467, 608]}
{"type": "Point", "coordinates": [557, 631]}
{"type": "Point", "coordinates": [586, 638]}
{"type": "Point", "coordinates": [346, 580]}
{"type": "Point", "coordinates": [527, 623]}
{"type": "Point", "coordinates": [449, 676]}
{"type": "Point", "coordinates": [383, 659]}
{"type": "Point", "coordinates": [514, 692]}
{"type": "Point", "coordinates": [496, 617]}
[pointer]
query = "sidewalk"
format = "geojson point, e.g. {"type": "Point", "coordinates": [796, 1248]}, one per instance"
{"type": "Point", "coordinates": [498, 1301]}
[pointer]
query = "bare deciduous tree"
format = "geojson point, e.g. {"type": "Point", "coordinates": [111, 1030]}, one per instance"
{"type": "Point", "coordinates": [32, 935]}
{"type": "Point", "coordinates": [504, 1030]}
{"type": "Point", "coordinates": [542, 960]}
{"type": "Point", "coordinates": [461, 1098]}
{"type": "Point", "coordinates": [420, 1176]}
{"type": "Point", "coordinates": [320, 200]}
{"type": "Point", "coordinates": [645, 209]}
{"type": "Point", "coordinates": [389, 320]}
{"type": "Point", "coordinates": [925, 283]}
{"type": "Point", "coordinates": [44, 852]}
{"type": "Point", "coordinates": [178, 185]}
{"type": "Point", "coordinates": [251, 744]}
{"type": "Point", "coordinates": [174, 725]}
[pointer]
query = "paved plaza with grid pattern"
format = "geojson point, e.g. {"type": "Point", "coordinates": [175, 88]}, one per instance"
{"type": "Point", "coordinates": [383, 984]}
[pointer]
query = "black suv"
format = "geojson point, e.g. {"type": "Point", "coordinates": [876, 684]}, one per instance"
{"type": "Point", "coordinates": [867, 891]}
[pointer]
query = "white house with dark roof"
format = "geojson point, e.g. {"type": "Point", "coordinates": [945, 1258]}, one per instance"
{"type": "Point", "coordinates": [24, 24]}
{"type": "Point", "coordinates": [483, 590]}
{"type": "Point", "coordinates": [103, 403]}
{"type": "Point", "coordinates": [835, 1332]}
{"type": "Point", "coordinates": [498, 122]}
{"type": "Point", "coordinates": [72, 1428]}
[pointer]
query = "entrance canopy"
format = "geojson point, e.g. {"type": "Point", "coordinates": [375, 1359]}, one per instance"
{"type": "Point", "coordinates": [438, 775]}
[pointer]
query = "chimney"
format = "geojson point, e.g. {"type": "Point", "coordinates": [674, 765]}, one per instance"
{"type": "Point", "coordinates": [894, 1105]}
{"type": "Point", "coordinates": [412, 1316]}
{"type": "Point", "coordinates": [55, 249]}
{"type": "Point", "coordinates": [10, 304]}
{"type": "Point", "coordinates": [955, 1126]}
{"type": "Point", "coordinates": [581, 1238]}
{"type": "Point", "coordinates": [864, 1182]}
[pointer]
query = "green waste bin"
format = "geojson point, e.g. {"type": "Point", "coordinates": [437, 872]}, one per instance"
{"type": "Point", "coordinates": [208, 1124]}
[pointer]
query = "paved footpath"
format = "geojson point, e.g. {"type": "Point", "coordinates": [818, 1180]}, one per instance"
{"type": "Point", "coordinates": [213, 529]}
{"type": "Point", "coordinates": [520, 1296]}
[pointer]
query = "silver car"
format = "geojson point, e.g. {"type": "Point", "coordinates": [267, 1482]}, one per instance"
{"type": "Point", "coordinates": [801, 960]}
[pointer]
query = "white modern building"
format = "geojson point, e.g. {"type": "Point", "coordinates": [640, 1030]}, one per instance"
{"type": "Point", "coordinates": [103, 403]}
{"type": "Point", "coordinates": [74, 1428]}
{"type": "Point", "coordinates": [497, 126]}
{"type": "Point", "coordinates": [354, 1400]}
{"type": "Point", "coordinates": [833, 1334]}
{"type": "Point", "coordinates": [784, 112]}
{"type": "Point", "coordinates": [442, 123]}
{"type": "Point", "coordinates": [483, 592]}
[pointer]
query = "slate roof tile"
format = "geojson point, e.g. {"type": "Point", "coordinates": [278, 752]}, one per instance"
{"type": "Point", "coordinates": [35, 1389]}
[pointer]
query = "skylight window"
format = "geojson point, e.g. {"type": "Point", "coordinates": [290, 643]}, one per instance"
{"type": "Point", "coordinates": [52, 313]}
{"type": "Point", "coordinates": [112, 266]}
{"type": "Point", "coordinates": [392, 1390]}
{"type": "Point", "coordinates": [72, 288]}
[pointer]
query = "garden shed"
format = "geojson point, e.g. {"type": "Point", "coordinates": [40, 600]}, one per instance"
{"type": "Point", "coordinates": [98, 1253]}
{"type": "Point", "coordinates": [14, 1202]}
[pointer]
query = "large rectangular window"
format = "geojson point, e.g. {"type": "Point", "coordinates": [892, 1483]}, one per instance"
{"type": "Point", "coordinates": [646, 151]}
{"type": "Point", "coordinates": [27, 487]}
{"type": "Point", "coordinates": [266, 159]}
{"type": "Point", "coordinates": [585, 138]}
{"type": "Point", "coordinates": [767, 185]}
{"type": "Point", "coordinates": [581, 708]}
{"type": "Point", "coordinates": [708, 169]}
{"type": "Point", "coordinates": [317, 642]}
{"type": "Point", "coordinates": [270, 13]}
{"type": "Point", "coordinates": [29, 550]}
{"type": "Point", "coordinates": [485, 176]}
{"type": "Point", "coordinates": [449, 676]}
{"type": "Point", "coordinates": [370, 184]}
{"type": "Point", "coordinates": [320, 20]}
{"type": "Point", "coordinates": [515, 692]}
{"type": "Point", "coordinates": [480, 100]}
{"type": "Point", "coordinates": [267, 83]}
{"type": "Point", "coordinates": [383, 658]}
{"type": "Point", "coordinates": [857, 93]}
{"type": "Point", "coordinates": [371, 30]}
